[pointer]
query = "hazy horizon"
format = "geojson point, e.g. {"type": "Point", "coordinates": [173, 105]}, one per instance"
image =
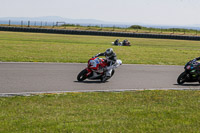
{"type": "Point", "coordinates": [155, 12]}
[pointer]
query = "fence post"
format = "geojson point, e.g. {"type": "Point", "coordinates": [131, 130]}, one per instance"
{"type": "Point", "coordinates": [21, 23]}
{"type": "Point", "coordinates": [113, 28]}
{"type": "Point", "coordinates": [9, 22]}
{"type": "Point", "coordinates": [28, 23]}
{"type": "Point", "coordinates": [125, 28]}
{"type": "Point", "coordinates": [53, 25]}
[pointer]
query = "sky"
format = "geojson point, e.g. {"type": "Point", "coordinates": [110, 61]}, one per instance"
{"type": "Point", "coordinates": [157, 12]}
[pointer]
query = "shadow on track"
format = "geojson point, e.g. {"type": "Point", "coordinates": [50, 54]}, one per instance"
{"type": "Point", "coordinates": [188, 84]}
{"type": "Point", "coordinates": [91, 82]}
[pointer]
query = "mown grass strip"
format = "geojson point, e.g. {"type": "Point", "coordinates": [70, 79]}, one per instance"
{"type": "Point", "coordinates": [138, 111]}
{"type": "Point", "coordinates": [36, 47]}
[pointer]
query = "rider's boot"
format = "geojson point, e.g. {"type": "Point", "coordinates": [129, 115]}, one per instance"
{"type": "Point", "coordinates": [103, 78]}
{"type": "Point", "coordinates": [107, 74]}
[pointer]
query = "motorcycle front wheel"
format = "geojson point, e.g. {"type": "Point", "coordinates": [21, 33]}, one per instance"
{"type": "Point", "coordinates": [182, 78]}
{"type": "Point", "coordinates": [82, 75]}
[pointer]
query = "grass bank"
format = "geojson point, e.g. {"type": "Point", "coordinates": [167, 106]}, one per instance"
{"type": "Point", "coordinates": [131, 29]}
{"type": "Point", "coordinates": [37, 47]}
{"type": "Point", "coordinates": [139, 111]}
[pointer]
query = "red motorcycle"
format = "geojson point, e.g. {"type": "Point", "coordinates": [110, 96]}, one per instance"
{"type": "Point", "coordinates": [96, 69]}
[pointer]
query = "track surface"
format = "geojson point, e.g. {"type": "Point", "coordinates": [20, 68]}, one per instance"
{"type": "Point", "coordinates": [47, 77]}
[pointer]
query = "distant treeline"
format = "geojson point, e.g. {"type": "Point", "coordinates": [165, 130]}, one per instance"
{"type": "Point", "coordinates": [138, 27]}
{"type": "Point", "coordinates": [164, 29]}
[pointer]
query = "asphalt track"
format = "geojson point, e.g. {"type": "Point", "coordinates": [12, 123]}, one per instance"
{"type": "Point", "coordinates": [61, 77]}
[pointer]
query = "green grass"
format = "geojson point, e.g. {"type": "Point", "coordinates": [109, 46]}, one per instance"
{"type": "Point", "coordinates": [36, 47]}
{"type": "Point", "coordinates": [140, 111]}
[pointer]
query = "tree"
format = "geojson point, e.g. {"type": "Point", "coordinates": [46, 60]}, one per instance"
{"type": "Point", "coordinates": [135, 27]}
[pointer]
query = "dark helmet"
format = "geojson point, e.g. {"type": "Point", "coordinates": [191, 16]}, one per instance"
{"type": "Point", "coordinates": [109, 52]}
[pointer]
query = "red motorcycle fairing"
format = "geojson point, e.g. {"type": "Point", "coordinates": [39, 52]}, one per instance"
{"type": "Point", "coordinates": [95, 64]}
{"type": "Point", "coordinates": [89, 71]}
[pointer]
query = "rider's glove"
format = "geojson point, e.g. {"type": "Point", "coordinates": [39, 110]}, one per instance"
{"type": "Point", "coordinates": [194, 60]}
{"type": "Point", "coordinates": [94, 56]}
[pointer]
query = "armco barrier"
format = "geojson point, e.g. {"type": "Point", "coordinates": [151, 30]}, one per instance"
{"type": "Point", "coordinates": [98, 33]}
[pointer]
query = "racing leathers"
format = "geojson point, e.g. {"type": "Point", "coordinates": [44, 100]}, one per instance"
{"type": "Point", "coordinates": [111, 60]}
{"type": "Point", "coordinates": [195, 59]}
{"type": "Point", "coordinates": [197, 64]}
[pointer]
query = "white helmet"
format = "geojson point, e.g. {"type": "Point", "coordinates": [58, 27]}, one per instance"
{"type": "Point", "coordinates": [109, 52]}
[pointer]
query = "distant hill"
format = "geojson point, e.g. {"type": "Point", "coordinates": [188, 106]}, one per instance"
{"type": "Point", "coordinates": [53, 19]}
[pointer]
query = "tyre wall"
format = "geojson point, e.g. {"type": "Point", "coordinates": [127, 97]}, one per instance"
{"type": "Point", "coordinates": [98, 33]}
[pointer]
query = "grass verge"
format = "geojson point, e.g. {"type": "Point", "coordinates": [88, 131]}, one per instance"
{"type": "Point", "coordinates": [139, 111]}
{"type": "Point", "coordinates": [36, 47]}
{"type": "Point", "coordinates": [134, 29]}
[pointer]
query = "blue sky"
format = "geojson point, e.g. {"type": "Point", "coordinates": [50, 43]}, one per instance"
{"type": "Point", "coordinates": [158, 12]}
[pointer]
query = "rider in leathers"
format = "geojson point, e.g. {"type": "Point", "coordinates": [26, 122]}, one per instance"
{"type": "Point", "coordinates": [198, 64]}
{"type": "Point", "coordinates": [111, 60]}
{"type": "Point", "coordinates": [195, 59]}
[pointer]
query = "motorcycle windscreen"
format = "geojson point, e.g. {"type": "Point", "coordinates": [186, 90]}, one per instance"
{"type": "Point", "coordinates": [94, 64]}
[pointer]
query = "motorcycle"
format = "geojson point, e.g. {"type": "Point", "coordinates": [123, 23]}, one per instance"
{"type": "Point", "coordinates": [190, 74]}
{"type": "Point", "coordinates": [96, 68]}
{"type": "Point", "coordinates": [122, 44]}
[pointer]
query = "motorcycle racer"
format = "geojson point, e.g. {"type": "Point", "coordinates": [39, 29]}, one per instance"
{"type": "Point", "coordinates": [195, 59]}
{"type": "Point", "coordinates": [100, 68]}
{"type": "Point", "coordinates": [197, 64]}
{"type": "Point", "coordinates": [191, 73]}
{"type": "Point", "coordinates": [111, 58]}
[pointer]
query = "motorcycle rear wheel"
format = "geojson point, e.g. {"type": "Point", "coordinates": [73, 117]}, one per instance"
{"type": "Point", "coordinates": [182, 78]}
{"type": "Point", "coordinates": [82, 75]}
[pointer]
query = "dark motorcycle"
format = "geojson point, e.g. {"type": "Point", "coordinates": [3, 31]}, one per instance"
{"type": "Point", "coordinates": [190, 74]}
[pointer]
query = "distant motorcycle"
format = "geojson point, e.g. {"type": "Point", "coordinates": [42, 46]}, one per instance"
{"type": "Point", "coordinates": [190, 74]}
{"type": "Point", "coordinates": [124, 43]}
{"type": "Point", "coordinates": [96, 69]}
